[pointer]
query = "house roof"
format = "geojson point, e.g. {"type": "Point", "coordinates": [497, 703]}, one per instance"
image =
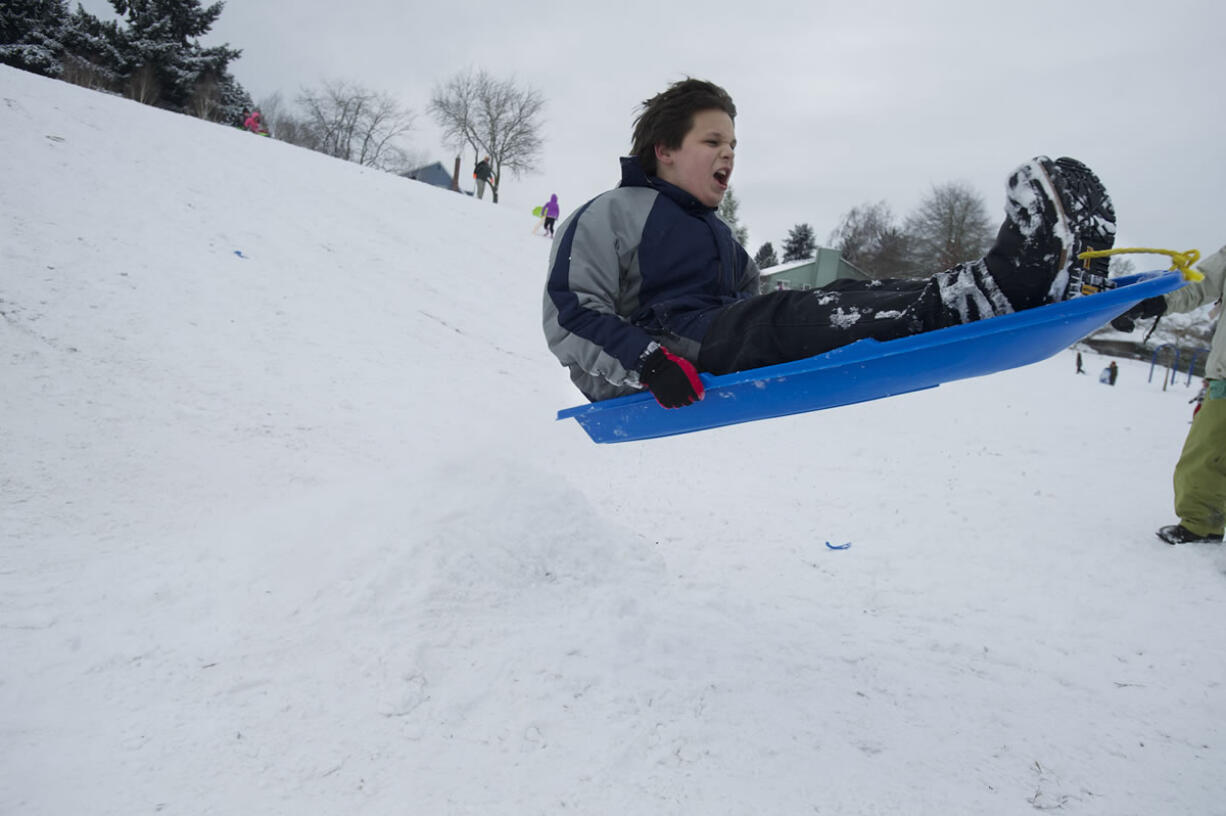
{"type": "Point", "coordinates": [434, 174]}
{"type": "Point", "coordinates": [784, 267]}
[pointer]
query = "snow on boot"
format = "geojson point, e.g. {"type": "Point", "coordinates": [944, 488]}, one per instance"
{"type": "Point", "coordinates": [1054, 210]}
{"type": "Point", "coordinates": [1090, 214]}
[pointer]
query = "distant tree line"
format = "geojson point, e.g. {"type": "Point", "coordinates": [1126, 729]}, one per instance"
{"type": "Point", "coordinates": [476, 111]}
{"type": "Point", "coordinates": [950, 225]}
{"type": "Point", "coordinates": [153, 55]}
{"type": "Point", "coordinates": [347, 121]}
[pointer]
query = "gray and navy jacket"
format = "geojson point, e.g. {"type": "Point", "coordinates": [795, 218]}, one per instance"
{"type": "Point", "coordinates": [645, 262]}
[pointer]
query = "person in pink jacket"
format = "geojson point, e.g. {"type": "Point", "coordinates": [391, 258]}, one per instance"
{"type": "Point", "coordinates": [254, 123]}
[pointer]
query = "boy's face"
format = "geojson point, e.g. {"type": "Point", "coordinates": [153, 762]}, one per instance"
{"type": "Point", "coordinates": [702, 165]}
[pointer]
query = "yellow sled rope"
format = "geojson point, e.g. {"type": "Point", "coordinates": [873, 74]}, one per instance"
{"type": "Point", "coordinates": [1181, 261]}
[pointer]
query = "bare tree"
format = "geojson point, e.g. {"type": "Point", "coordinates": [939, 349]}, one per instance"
{"type": "Point", "coordinates": [273, 110]}
{"type": "Point", "coordinates": [87, 74]}
{"type": "Point", "coordinates": [352, 123]}
{"type": "Point", "coordinates": [143, 85]}
{"type": "Point", "coordinates": [205, 102]}
{"type": "Point", "coordinates": [454, 107]}
{"type": "Point", "coordinates": [868, 238]}
{"type": "Point", "coordinates": [950, 226]}
{"type": "Point", "coordinates": [494, 117]}
{"type": "Point", "coordinates": [285, 125]}
{"type": "Point", "coordinates": [1119, 266]}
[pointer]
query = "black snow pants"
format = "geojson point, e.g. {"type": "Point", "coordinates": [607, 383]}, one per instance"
{"type": "Point", "coordinates": [778, 327]}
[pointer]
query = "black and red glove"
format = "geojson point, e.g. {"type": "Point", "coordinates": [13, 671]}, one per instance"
{"type": "Point", "coordinates": [1150, 307]}
{"type": "Point", "coordinates": [672, 380]}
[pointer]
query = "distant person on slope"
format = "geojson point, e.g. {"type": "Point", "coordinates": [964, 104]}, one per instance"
{"type": "Point", "coordinates": [255, 123]}
{"type": "Point", "coordinates": [647, 286]}
{"type": "Point", "coordinates": [1200, 473]}
{"type": "Point", "coordinates": [550, 211]}
{"type": "Point", "coordinates": [484, 174]}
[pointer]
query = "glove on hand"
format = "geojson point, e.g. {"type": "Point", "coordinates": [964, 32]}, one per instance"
{"type": "Point", "coordinates": [672, 380]}
{"type": "Point", "coordinates": [1150, 307]}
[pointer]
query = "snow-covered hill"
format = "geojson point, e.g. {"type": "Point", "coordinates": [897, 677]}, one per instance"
{"type": "Point", "coordinates": [286, 526]}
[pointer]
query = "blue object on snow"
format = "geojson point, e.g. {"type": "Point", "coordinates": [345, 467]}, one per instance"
{"type": "Point", "coordinates": [846, 546]}
{"type": "Point", "coordinates": [239, 253]}
{"type": "Point", "coordinates": [870, 369]}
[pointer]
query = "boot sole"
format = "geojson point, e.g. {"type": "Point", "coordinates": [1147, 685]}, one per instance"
{"type": "Point", "coordinates": [1072, 279]}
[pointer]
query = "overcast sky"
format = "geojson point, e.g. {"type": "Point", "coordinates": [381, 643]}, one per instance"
{"type": "Point", "coordinates": [839, 103]}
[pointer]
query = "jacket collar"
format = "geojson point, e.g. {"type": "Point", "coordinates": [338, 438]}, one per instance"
{"type": "Point", "coordinates": [633, 175]}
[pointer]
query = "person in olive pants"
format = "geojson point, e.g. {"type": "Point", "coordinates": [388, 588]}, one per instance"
{"type": "Point", "coordinates": [1200, 474]}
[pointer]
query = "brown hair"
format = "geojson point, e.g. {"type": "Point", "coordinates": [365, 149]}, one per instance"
{"type": "Point", "coordinates": [669, 115]}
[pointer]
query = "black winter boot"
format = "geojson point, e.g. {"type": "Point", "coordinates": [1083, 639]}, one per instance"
{"type": "Point", "coordinates": [1178, 534]}
{"type": "Point", "coordinates": [1054, 210]}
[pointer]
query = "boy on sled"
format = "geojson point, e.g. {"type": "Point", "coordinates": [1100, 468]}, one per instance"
{"type": "Point", "coordinates": [647, 286]}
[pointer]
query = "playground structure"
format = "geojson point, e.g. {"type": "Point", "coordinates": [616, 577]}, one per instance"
{"type": "Point", "coordinates": [1172, 371]}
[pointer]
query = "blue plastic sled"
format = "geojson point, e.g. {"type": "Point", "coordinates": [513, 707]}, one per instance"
{"type": "Point", "coordinates": [869, 369]}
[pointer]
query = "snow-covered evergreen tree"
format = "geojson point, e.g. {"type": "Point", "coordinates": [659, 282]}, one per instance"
{"type": "Point", "coordinates": [93, 54]}
{"type": "Point", "coordinates": [800, 243]}
{"type": "Point", "coordinates": [233, 99]}
{"type": "Point", "coordinates": [728, 208]}
{"type": "Point", "coordinates": [31, 34]}
{"type": "Point", "coordinates": [157, 58]}
{"type": "Point", "coordinates": [766, 257]}
{"type": "Point", "coordinates": [163, 60]}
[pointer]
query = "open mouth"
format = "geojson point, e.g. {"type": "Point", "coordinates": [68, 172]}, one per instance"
{"type": "Point", "coordinates": [721, 177]}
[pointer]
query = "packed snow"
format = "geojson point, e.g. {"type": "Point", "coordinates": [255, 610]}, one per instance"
{"type": "Point", "coordinates": [287, 526]}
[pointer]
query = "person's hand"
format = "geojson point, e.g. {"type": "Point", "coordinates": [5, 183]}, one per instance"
{"type": "Point", "coordinates": [1150, 307]}
{"type": "Point", "coordinates": [672, 380]}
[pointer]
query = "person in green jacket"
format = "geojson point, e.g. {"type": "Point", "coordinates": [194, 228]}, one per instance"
{"type": "Point", "coordinates": [1200, 474]}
